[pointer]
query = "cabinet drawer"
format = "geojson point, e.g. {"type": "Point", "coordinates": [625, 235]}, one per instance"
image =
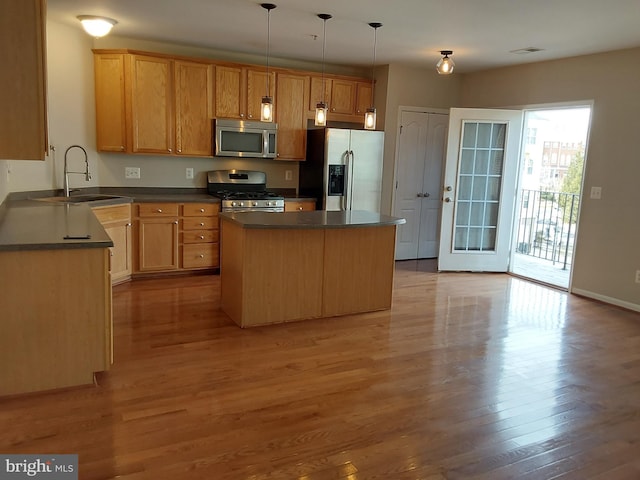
{"type": "Point", "coordinates": [200, 236]}
{"type": "Point", "coordinates": [157, 209]}
{"type": "Point", "coordinates": [294, 206]}
{"type": "Point", "coordinates": [117, 213]}
{"type": "Point", "coordinates": [200, 255]}
{"type": "Point", "coordinates": [199, 223]}
{"type": "Point", "coordinates": [200, 209]}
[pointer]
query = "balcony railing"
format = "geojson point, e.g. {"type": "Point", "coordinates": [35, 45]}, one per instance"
{"type": "Point", "coordinates": [547, 225]}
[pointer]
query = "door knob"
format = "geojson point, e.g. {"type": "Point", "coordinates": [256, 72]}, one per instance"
{"type": "Point", "coordinates": [420, 195]}
{"type": "Point", "coordinates": [426, 194]}
{"type": "Point", "coordinates": [447, 199]}
{"type": "Point", "coordinates": [448, 188]}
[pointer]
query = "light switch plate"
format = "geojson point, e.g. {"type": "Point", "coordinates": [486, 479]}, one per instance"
{"type": "Point", "coordinates": [131, 172]}
{"type": "Point", "coordinates": [189, 173]}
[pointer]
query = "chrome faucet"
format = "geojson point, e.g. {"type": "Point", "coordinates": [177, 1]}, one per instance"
{"type": "Point", "coordinates": [86, 173]}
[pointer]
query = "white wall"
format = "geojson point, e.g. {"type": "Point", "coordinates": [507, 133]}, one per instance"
{"type": "Point", "coordinates": [608, 242]}
{"type": "Point", "coordinates": [414, 87]}
{"type": "Point", "coordinates": [71, 114]}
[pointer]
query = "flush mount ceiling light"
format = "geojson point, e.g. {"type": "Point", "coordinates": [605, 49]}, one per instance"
{"type": "Point", "coordinates": [321, 107]}
{"type": "Point", "coordinates": [266, 107]}
{"type": "Point", "coordinates": [370, 114]}
{"type": "Point", "coordinates": [96, 26]}
{"type": "Point", "coordinates": [445, 65]}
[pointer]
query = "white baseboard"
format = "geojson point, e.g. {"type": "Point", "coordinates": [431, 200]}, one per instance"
{"type": "Point", "coordinates": [606, 299]}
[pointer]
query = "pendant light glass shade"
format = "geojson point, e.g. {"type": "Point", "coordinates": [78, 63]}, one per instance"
{"type": "Point", "coordinates": [321, 115]}
{"type": "Point", "coordinates": [445, 65]}
{"type": "Point", "coordinates": [370, 114]}
{"type": "Point", "coordinates": [96, 26]}
{"type": "Point", "coordinates": [370, 119]}
{"type": "Point", "coordinates": [266, 107]}
{"type": "Point", "coordinates": [321, 107]}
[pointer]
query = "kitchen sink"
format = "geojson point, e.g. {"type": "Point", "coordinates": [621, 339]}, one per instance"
{"type": "Point", "coordinates": [79, 198]}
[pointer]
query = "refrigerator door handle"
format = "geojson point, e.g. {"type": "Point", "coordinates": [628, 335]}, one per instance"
{"type": "Point", "coordinates": [349, 188]}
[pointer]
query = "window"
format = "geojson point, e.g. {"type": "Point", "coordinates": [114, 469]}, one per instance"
{"type": "Point", "coordinates": [531, 136]}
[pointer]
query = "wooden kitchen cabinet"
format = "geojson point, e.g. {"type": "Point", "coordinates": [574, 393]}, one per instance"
{"type": "Point", "coordinates": [299, 205]}
{"type": "Point", "coordinates": [153, 105]}
{"type": "Point", "coordinates": [156, 234]}
{"type": "Point", "coordinates": [363, 98]}
{"type": "Point", "coordinates": [23, 91]}
{"type": "Point", "coordinates": [151, 99]}
{"type": "Point", "coordinates": [111, 123]}
{"type": "Point", "coordinates": [56, 318]}
{"type": "Point", "coordinates": [293, 95]}
{"type": "Point", "coordinates": [116, 221]}
{"type": "Point", "coordinates": [193, 108]}
{"type": "Point", "coordinates": [239, 91]}
{"type": "Point", "coordinates": [200, 236]}
{"type": "Point", "coordinates": [173, 237]}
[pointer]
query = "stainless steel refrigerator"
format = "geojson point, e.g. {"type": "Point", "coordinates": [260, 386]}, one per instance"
{"type": "Point", "coordinates": [343, 170]}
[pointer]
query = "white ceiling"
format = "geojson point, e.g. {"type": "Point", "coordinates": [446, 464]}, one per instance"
{"type": "Point", "coordinates": [480, 32]}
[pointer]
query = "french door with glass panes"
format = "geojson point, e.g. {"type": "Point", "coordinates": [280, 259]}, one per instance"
{"type": "Point", "coordinates": [479, 189]}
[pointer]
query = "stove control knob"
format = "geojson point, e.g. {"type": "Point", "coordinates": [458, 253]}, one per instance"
{"type": "Point", "coordinates": [254, 204]}
{"type": "Point", "coordinates": [268, 203]}
{"type": "Point", "coordinates": [234, 204]}
{"type": "Point", "coordinates": [242, 204]}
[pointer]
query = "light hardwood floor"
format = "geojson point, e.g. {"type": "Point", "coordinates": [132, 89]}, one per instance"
{"type": "Point", "coordinates": [468, 376]}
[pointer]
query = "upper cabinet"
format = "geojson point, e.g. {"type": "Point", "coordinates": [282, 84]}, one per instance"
{"type": "Point", "coordinates": [151, 84]}
{"type": "Point", "coordinates": [23, 116]}
{"type": "Point", "coordinates": [239, 91]}
{"type": "Point", "coordinates": [193, 108]}
{"type": "Point", "coordinates": [293, 96]}
{"type": "Point", "coordinates": [345, 98]}
{"type": "Point", "coordinates": [153, 105]}
{"type": "Point", "coordinates": [159, 104]}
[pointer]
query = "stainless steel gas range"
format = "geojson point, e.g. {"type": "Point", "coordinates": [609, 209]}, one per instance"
{"type": "Point", "coordinates": [243, 191]}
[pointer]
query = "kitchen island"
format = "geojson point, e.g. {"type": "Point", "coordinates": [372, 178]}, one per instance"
{"type": "Point", "coordinates": [283, 267]}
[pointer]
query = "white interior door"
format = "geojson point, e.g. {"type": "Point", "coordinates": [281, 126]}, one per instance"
{"type": "Point", "coordinates": [420, 159]}
{"type": "Point", "coordinates": [479, 189]}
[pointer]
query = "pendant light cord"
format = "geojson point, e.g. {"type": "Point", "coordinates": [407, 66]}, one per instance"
{"type": "Point", "coordinates": [375, 26]}
{"type": "Point", "coordinates": [324, 43]}
{"type": "Point", "coordinates": [268, 44]}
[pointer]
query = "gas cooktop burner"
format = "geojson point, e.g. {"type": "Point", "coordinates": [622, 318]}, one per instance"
{"type": "Point", "coordinates": [243, 191]}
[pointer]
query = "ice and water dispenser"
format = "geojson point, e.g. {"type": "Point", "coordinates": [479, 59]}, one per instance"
{"type": "Point", "coordinates": [336, 180]}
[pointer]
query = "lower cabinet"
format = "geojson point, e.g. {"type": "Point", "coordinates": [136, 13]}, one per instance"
{"type": "Point", "coordinates": [299, 205]}
{"type": "Point", "coordinates": [116, 221]}
{"type": "Point", "coordinates": [172, 237]}
{"type": "Point", "coordinates": [57, 332]}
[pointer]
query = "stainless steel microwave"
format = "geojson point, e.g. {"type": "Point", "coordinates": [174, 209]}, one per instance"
{"type": "Point", "coordinates": [241, 138]}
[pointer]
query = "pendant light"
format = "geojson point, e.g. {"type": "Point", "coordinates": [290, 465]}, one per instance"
{"type": "Point", "coordinates": [370, 114]}
{"type": "Point", "coordinates": [266, 107]}
{"type": "Point", "coordinates": [445, 65]}
{"type": "Point", "coordinates": [321, 107]}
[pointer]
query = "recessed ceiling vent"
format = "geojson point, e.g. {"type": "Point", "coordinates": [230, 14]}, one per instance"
{"type": "Point", "coordinates": [525, 51]}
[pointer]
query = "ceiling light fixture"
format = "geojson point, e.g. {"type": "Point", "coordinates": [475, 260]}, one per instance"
{"type": "Point", "coordinates": [370, 114]}
{"type": "Point", "coordinates": [321, 107]}
{"type": "Point", "coordinates": [266, 108]}
{"type": "Point", "coordinates": [445, 65]}
{"type": "Point", "coordinates": [96, 26]}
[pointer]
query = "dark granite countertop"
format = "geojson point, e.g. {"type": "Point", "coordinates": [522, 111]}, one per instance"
{"type": "Point", "coordinates": [32, 225]}
{"type": "Point", "coordinates": [311, 219]}
{"type": "Point", "coordinates": [29, 221]}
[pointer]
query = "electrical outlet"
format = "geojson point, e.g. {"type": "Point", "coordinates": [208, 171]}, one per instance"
{"type": "Point", "coordinates": [189, 173]}
{"type": "Point", "coordinates": [596, 193]}
{"type": "Point", "coordinates": [637, 276]}
{"type": "Point", "coordinates": [288, 175]}
{"type": "Point", "coordinates": [131, 172]}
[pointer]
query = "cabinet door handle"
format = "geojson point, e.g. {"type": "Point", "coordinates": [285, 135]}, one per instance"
{"type": "Point", "coordinates": [202, 224]}
{"type": "Point", "coordinates": [201, 237]}
{"type": "Point", "coordinates": [179, 150]}
{"type": "Point", "coordinates": [128, 225]}
{"type": "Point", "coordinates": [169, 150]}
{"type": "Point", "coordinates": [201, 255]}
{"type": "Point", "coordinates": [202, 210]}
{"type": "Point", "coordinates": [299, 208]}
{"type": "Point", "coordinates": [122, 148]}
{"type": "Point", "coordinates": [175, 223]}
{"type": "Point", "coordinates": [159, 210]}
